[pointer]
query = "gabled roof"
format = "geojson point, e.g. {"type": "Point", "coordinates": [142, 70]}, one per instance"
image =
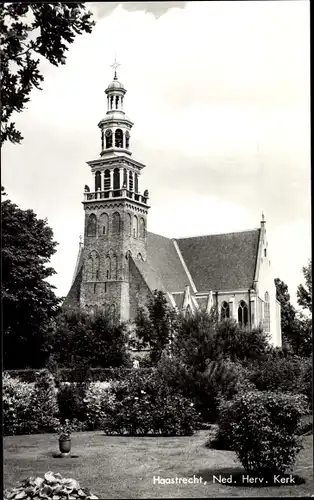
{"type": "Point", "coordinates": [163, 265]}
{"type": "Point", "coordinates": [178, 298]}
{"type": "Point", "coordinates": [221, 261]}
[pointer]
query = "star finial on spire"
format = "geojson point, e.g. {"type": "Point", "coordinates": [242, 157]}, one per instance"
{"type": "Point", "coordinates": [114, 66]}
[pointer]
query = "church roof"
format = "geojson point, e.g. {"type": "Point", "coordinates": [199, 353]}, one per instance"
{"type": "Point", "coordinates": [221, 261]}
{"type": "Point", "coordinates": [163, 264]}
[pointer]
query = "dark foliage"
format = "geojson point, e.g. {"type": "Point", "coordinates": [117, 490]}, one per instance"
{"type": "Point", "coordinates": [30, 31]}
{"type": "Point", "coordinates": [95, 339]}
{"type": "Point", "coordinates": [296, 328]}
{"type": "Point", "coordinates": [156, 325]}
{"type": "Point", "coordinates": [29, 301]}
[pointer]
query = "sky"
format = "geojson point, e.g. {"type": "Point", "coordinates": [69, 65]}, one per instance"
{"type": "Point", "coordinates": [219, 93]}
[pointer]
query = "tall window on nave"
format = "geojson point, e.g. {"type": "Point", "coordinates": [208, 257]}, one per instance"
{"type": "Point", "coordinates": [243, 314]}
{"type": "Point", "coordinates": [225, 310]}
{"type": "Point", "coordinates": [266, 322]}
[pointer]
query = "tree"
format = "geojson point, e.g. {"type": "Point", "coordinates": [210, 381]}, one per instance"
{"type": "Point", "coordinates": [94, 339]}
{"type": "Point", "coordinates": [156, 324]}
{"type": "Point", "coordinates": [296, 328]}
{"type": "Point", "coordinates": [304, 293]}
{"type": "Point", "coordinates": [29, 301]}
{"type": "Point", "coordinates": [288, 311]}
{"type": "Point", "coordinates": [29, 30]}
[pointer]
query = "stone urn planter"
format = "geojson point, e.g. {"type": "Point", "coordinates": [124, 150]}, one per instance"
{"type": "Point", "coordinates": [65, 438]}
{"type": "Point", "coordinates": [65, 445]}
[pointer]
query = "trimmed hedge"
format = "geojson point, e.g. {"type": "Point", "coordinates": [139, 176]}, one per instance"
{"type": "Point", "coordinates": [66, 374]}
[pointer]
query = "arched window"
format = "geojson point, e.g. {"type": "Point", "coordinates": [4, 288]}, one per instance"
{"type": "Point", "coordinates": [127, 140]}
{"type": "Point", "coordinates": [188, 311]}
{"type": "Point", "coordinates": [91, 225]}
{"type": "Point", "coordinates": [135, 227]}
{"type": "Point", "coordinates": [142, 228]}
{"type": "Point", "coordinates": [114, 267]}
{"type": "Point", "coordinates": [111, 102]}
{"type": "Point", "coordinates": [118, 138]}
{"type": "Point", "coordinates": [116, 223]}
{"type": "Point", "coordinates": [117, 101]}
{"type": "Point", "coordinates": [130, 181]}
{"type": "Point", "coordinates": [107, 180]}
{"type": "Point", "coordinates": [266, 322]}
{"type": "Point", "coordinates": [243, 314]}
{"type": "Point", "coordinates": [107, 268]}
{"type": "Point", "coordinates": [104, 224]}
{"type": "Point", "coordinates": [108, 139]}
{"type": "Point", "coordinates": [129, 223]}
{"type": "Point", "coordinates": [116, 178]}
{"type": "Point", "coordinates": [125, 178]}
{"type": "Point", "coordinates": [265, 252]}
{"type": "Point", "coordinates": [97, 180]}
{"type": "Point", "coordinates": [136, 183]}
{"type": "Point", "coordinates": [225, 311]}
{"type": "Point", "coordinates": [112, 312]}
{"type": "Point", "coordinates": [102, 139]}
{"type": "Point", "coordinates": [92, 266]}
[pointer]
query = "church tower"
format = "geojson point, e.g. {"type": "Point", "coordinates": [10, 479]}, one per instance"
{"type": "Point", "coordinates": [115, 212]}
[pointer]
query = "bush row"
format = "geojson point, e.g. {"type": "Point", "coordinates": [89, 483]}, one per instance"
{"type": "Point", "coordinates": [138, 405]}
{"type": "Point", "coordinates": [67, 374]}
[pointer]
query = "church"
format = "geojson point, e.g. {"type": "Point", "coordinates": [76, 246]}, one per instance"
{"type": "Point", "coordinates": [120, 263]}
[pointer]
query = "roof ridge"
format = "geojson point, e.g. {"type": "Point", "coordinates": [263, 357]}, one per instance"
{"type": "Point", "coordinates": [217, 234]}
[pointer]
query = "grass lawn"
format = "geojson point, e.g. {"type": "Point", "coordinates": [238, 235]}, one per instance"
{"type": "Point", "coordinates": [124, 467]}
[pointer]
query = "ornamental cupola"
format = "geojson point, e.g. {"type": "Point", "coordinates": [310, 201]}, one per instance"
{"type": "Point", "coordinates": [116, 126]}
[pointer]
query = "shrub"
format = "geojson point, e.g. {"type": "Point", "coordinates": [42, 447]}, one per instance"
{"type": "Point", "coordinates": [144, 405]}
{"type": "Point", "coordinates": [98, 402]}
{"type": "Point", "coordinates": [43, 410]}
{"type": "Point", "coordinates": [263, 429]}
{"type": "Point", "coordinates": [278, 373]}
{"type": "Point", "coordinates": [237, 344]}
{"type": "Point", "coordinates": [70, 400]}
{"type": "Point", "coordinates": [16, 398]}
{"type": "Point", "coordinates": [50, 486]}
{"type": "Point", "coordinates": [306, 383]}
{"type": "Point", "coordinates": [221, 378]}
